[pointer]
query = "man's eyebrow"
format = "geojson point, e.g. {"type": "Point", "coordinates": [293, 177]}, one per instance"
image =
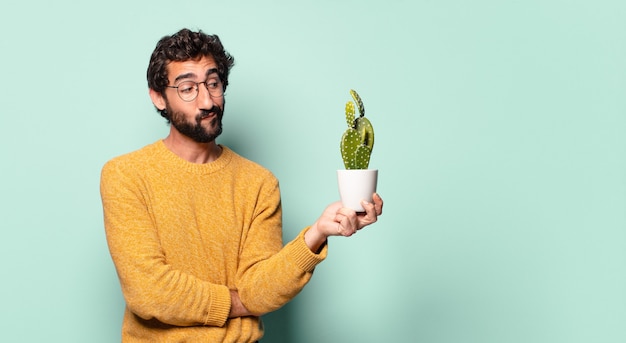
{"type": "Point", "coordinates": [184, 76]}
{"type": "Point", "coordinates": [211, 71]}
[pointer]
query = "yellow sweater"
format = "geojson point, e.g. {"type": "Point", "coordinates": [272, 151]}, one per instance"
{"type": "Point", "coordinates": [181, 235]}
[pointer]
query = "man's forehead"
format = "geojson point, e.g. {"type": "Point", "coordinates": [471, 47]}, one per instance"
{"type": "Point", "coordinates": [191, 68]}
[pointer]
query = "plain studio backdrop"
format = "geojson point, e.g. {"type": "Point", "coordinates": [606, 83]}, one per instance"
{"type": "Point", "coordinates": [500, 142]}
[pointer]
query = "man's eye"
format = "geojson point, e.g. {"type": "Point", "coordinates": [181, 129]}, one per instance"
{"type": "Point", "coordinates": [212, 85]}
{"type": "Point", "coordinates": [185, 89]}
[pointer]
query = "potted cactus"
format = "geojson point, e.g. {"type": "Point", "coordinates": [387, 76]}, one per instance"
{"type": "Point", "coordinates": [356, 182]}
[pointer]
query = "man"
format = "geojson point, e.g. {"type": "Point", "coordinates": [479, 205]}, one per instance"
{"type": "Point", "coordinates": [194, 229]}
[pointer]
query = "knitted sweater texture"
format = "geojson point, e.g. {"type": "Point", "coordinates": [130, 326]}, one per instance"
{"type": "Point", "coordinates": [181, 235]}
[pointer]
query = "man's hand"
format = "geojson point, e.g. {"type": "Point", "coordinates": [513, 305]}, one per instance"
{"type": "Point", "coordinates": [372, 211]}
{"type": "Point", "coordinates": [236, 306]}
{"type": "Point", "coordinates": [340, 221]}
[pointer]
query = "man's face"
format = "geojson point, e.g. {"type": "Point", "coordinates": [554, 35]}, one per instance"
{"type": "Point", "coordinates": [201, 118]}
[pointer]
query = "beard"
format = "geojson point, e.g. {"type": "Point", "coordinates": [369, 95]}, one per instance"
{"type": "Point", "coordinates": [195, 130]}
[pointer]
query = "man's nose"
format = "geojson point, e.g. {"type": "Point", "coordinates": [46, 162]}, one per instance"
{"type": "Point", "coordinates": [204, 99]}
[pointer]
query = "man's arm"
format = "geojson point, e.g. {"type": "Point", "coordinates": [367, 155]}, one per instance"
{"type": "Point", "coordinates": [267, 283]}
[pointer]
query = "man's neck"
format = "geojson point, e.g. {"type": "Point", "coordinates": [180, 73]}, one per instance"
{"type": "Point", "coordinates": [192, 151]}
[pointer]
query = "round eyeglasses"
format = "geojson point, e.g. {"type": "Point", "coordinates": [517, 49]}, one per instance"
{"type": "Point", "coordinates": [188, 90]}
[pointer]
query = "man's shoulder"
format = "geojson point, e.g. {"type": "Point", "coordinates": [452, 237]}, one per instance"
{"type": "Point", "coordinates": [245, 164]}
{"type": "Point", "coordinates": [132, 158]}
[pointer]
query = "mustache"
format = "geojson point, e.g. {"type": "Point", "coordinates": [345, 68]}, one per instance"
{"type": "Point", "coordinates": [213, 110]}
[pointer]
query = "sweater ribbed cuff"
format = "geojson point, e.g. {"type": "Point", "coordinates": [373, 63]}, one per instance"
{"type": "Point", "coordinates": [219, 307]}
{"type": "Point", "coordinates": [303, 256]}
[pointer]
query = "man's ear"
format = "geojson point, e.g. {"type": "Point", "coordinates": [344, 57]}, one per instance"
{"type": "Point", "coordinates": [157, 99]}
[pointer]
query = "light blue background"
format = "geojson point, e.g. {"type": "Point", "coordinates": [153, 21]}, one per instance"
{"type": "Point", "coordinates": [500, 140]}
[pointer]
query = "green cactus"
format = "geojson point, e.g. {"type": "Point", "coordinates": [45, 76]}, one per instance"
{"type": "Point", "coordinates": [357, 141]}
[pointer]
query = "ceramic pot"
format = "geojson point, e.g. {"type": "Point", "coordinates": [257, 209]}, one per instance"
{"type": "Point", "coordinates": [356, 185]}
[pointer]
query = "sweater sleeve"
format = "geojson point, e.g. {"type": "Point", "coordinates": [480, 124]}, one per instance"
{"type": "Point", "coordinates": [151, 287]}
{"type": "Point", "coordinates": [270, 275]}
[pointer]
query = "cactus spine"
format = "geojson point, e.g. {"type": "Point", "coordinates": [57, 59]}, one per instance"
{"type": "Point", "coordinates": [357, 141]}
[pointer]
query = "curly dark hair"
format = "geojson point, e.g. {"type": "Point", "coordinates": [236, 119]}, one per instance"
{"type": "Point", "coordinates": [183, 46]}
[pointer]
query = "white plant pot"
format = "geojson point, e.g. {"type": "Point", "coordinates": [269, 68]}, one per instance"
{"type": "Point", "coordinates": [356, 185]}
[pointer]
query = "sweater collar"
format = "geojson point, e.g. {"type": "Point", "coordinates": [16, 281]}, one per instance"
{"type": "Point", "coordinates": [169, 158]}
